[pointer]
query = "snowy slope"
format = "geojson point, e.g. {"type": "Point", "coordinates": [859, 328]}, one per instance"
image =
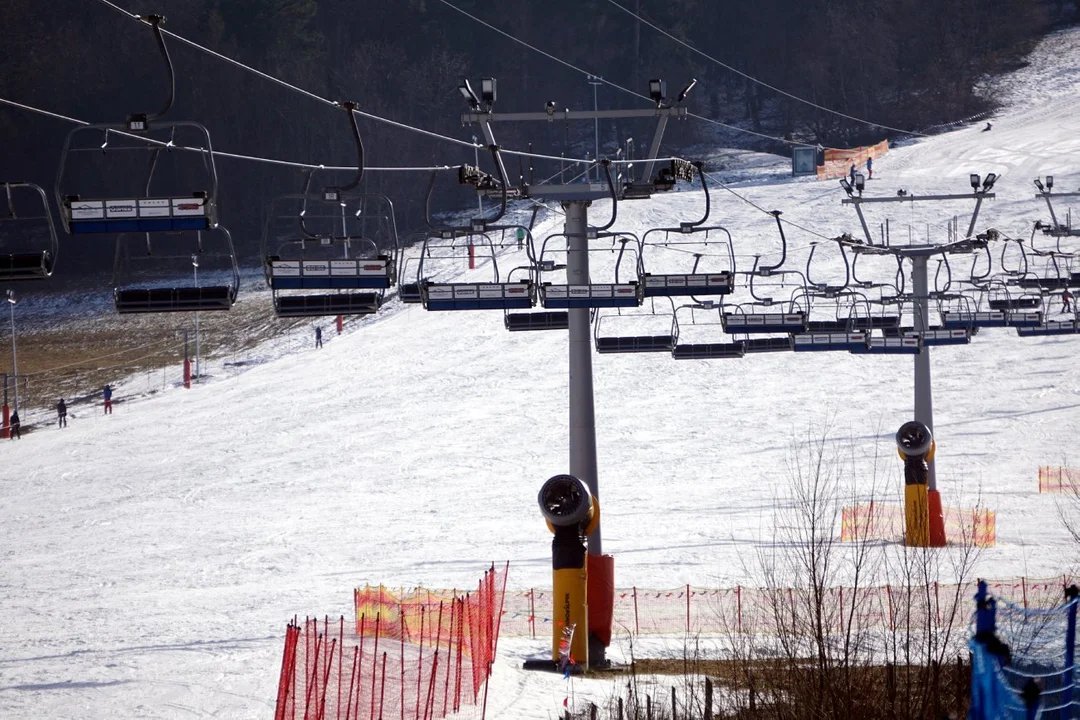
{"type": "Point", "coordinates": [152, 558]}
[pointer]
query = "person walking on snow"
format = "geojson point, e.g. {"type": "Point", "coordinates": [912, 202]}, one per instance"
{"type": "Point", "coordinates": [852, 173]}
{"type": "Point", "coordinates": [15, 425]}
{"type": "Point", "coordinates": [61, 412]}
{"type": "Point", "coordinates": [869, 168]}
{"type": "Point", "coordinates": [1066, 301]}
{"type": "Point", "coordinates": [107, 394]}
{"type": "Point", "coordinates": [318, 336]}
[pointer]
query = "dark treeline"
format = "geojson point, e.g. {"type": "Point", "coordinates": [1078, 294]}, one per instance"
{"type": "Point", "coordinates": [905, 63]}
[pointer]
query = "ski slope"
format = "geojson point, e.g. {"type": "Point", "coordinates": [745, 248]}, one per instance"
{"type": "Point", "coordinates": [152, 558]}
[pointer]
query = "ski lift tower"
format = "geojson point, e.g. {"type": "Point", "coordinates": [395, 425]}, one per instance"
{"type": "Point", "coordinates": [575, 198]}
{"type": "Point", "coordinates": [919, 255]}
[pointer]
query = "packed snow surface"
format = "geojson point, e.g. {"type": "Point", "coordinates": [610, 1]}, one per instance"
{"type": "Point", "coordinates": [152, 558]}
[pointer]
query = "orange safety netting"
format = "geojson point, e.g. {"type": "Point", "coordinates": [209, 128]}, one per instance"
{"type": "Point", "coordinates": [1058, 479]}
{"type": "Point", "coordinates": [400, 660]}
{"type": "Point", "coordinates": [723, 611]}
{"type": "Point", "coordinates": [884, 521]}
{"type": "Point", "coordinates": [838, 162]}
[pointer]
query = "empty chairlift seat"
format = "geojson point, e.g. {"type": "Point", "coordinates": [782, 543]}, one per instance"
{"type": "Point", "coordinates": [721, 283]}
{"type": "Point", "coordinates": [589, 296]}
{"type": "Point", "coordinates": [1017, 303]}
{"type": "Point", "coordinates": [764, 322]}
{"type": "Point", "coordinates": [184, 299]}
{"type": "Point", "coordinates": [410, 293]}
{"type": "Point", "coordinates": [25, 266]}
{"type": "Point", "coordinates": [828, 326]}
{"type": "Point", "coordinates": [28, 243]}
{"type": "Point", "coordinates": [708, 351]}
{"type": "Point", "coordinates": [829, 341]}
{"type": "Point", "coordinates": [531, 321]}
{"type": "Point", "coordinates": [635, 344]}
{"type": "Point", "coordinates": [875, 322]}
{"type": "Point", "coordinates": [1050, 283]}
{"type": "Point", "coordinates": [768, 344]}
{"type": "Point", "coordinates": [1050, 327]}
{"type": "Point", "coordinates": [374, 273]}
{"type": "Point", "coordinates": [478, 296]}
{"type": "Point", "coordinates": [362, 303]}
{"type": "Point", "coordinates": [171, 214]}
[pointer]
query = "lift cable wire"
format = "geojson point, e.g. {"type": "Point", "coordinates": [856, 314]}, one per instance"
{"type": "Point", "coordinates": [331, 103]}
{"type": "Point", "coordinates": [761, 82]}
{"type": "Point", "coordinates": [753, 204]}
{"type": "Point", "coordinates": [608, 82]}
{"type": "Point", "coordinates": [219, 153]}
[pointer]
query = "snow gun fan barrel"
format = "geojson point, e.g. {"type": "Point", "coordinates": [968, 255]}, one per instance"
{"type": "Point", "coordinates": [571, 513]}
{"type": "Point", "coordinates": [915, 444]}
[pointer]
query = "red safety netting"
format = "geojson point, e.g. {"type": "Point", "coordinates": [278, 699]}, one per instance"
{"type": "Point", "coordinates": [838, 162]}
{"type": "Point", "coordinates": [884, 521]}
{"type": "Point", "coordinates": [1058, 479]}
{"type": "Point", "coordinates": [401, 660]}
{"type": "Point", "coordinates": [722, 611]}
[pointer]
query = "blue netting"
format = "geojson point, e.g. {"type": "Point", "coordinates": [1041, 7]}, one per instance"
{"type": "Point", "coordinates": [1038, 652]}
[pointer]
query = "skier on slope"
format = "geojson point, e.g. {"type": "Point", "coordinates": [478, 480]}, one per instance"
{"type": "Point", "coordinates": [15, 425]}
{"type": "Point", "coordinates": [1066, 301]}
{"type": "Point", "coordinates": [61, 412]}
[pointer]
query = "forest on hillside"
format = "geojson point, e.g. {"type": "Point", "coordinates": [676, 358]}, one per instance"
{"type": "Point", "coordinates": [909, 64]}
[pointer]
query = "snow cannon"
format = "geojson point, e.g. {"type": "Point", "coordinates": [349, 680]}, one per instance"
{"type": "Point", "coordinates": [915, 443]}
{"type": "Point", "coordinates": [572, 513]}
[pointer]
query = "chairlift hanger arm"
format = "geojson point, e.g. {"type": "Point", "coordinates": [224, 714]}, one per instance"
{"type": "Point", "coordinates": [350, 108]}
{"type": "Point", "coordinates": [606, 164]}
{"type": "Point", "coordinates": [155, 22]}
{"type": "Point", "coordinates": [700, 167]}
{"type": "Point", "coordinates": [948, 277]}
{"type": "Point", "coordinates": [783, 247]}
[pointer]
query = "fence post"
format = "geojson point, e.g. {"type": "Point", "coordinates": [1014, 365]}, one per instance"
{"type": "Point", "coordinates": [687, 610]}
{"type": "Point", "coordinates": [637, 629]}
{"type": "Point", "coordinates": [892, 617]}
{"type": "Point", "coordinates": [1070, 642]}
{"type": "Point", "coordinates": [532, 611]}
{"type": "Point", "coordinates": [674, 716]}
{"type": "Point", "coordinates": [592, 711]}
{"type": "Point", "coordinates": [708, 700]}
{"type": "Point", "coordinates": [1023, 590]}
{"type": "Point", "coordinates": [620, 716]}
{"type": "Point", "coordinates": [648, 707]}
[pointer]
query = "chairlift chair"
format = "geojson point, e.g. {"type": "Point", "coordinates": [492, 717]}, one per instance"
{"type": "Point", "coordinates": [698, 236]}
{"type": "Point", "coordinates": [28, 244]}
{"type": "Point", "coordinates": [190, 205]}
{"type": "Point", "coordinates": [494, 294]}
{"type": "Point", "coordinates": [534, 320]}
{"type": "Point", "coordinates": [620, 293]}
{"type": "Point", "coordinates": [634, 343]}
{"type": "Point", "coordinates": [684, 350]}
{"type": "Point", "coordinates": [144, 293]}
{"type": "Point", "coordinates": [340, 260]}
